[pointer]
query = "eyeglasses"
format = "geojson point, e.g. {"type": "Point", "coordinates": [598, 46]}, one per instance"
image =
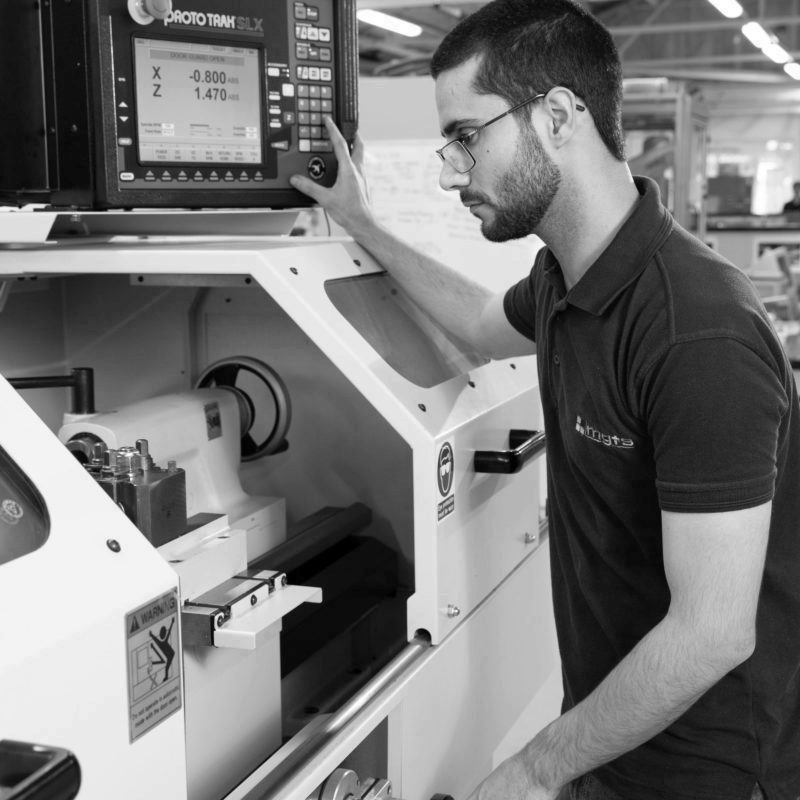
{"type": "Point", "coordinates": [456, 153]}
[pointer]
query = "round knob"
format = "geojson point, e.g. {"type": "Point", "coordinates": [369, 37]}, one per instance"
{"type": "Point", "coordinates": [160, 9]}
{"type": "Point", "coordinates": [145, 11]}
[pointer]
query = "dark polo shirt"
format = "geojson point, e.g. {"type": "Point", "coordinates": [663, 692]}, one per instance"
{"type": "Point", "coordinates": [664, 386]}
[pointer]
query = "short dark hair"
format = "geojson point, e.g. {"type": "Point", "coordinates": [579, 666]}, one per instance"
{"type": "Point", "coordinates": [529, 46]}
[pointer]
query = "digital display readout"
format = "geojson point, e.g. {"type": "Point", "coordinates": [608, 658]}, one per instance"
{"type": "Point", "coordinates": [197, 103]}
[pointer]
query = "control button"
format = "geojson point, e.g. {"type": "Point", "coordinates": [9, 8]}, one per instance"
{"type": "Point", "coordinates": [325, 54]}
{"type": "Point", "coordinates": [315, 104]}
{"type": "Point", "coordinates": [158, 9]}
{"type": "Point", "coordinates": [228, 176]}
{"type": "Point", "coordinates": [213, 176]}
{"type": "Point", "coordinates": [304, 118]}
{"type": "Point", "coordinates": [258, 176]}
{"type": "Point", "coordinates": [243, 176]}
{"type": "Point", "coordinates": [316, 132]}
{"type": "Point", "coordinates": [273, 72]}
{"type": "Point", "coordinates": [326, 92]}
{"type": "Point", "coordinates": [145, 11]}
{"type": "Point", "coordinates": [279, 146]}
{"type": "Point", "coordinates": [325, 74]}
{"type": "Point", "coordinates": [127, 176]}
{"type": "Point", "coordinates": [166, 176]}
{"type": "Point", "coordinates": [314, 91]}
{"type": "Point", "coordinates": [124, 119]}
{"type": "Point", "coordinates": [304, 145]}
{"type": "Point", "coordinates": [557, 360]}
{"type": "Point", "coordinates": [302, 90]}
{"type": "Point", "coordinates": [289, 118]}
{"type": "Point", "coordinates": [321, 146]}
{"type": "Point", "coordinates": [301, 50]}
{"type": "Point", "coordinates": [301, 32]}
{"type": "Point", "coordinates": [313, 73]}
{"type": "Point", "coordinates": [304, 132]}
{"type": "Point", "coordinates": [312, 13]}
{"type": "Point", "coordinates": [315, 118]}
{"type": "Point", "coordinates": [326, 106]}
{"type": "Point", "coordinates": [182, 176]}
{"type": "Point", "coordinates": [313, 34]}
{"type": "Point", "coordinates": [287, 90]}
{"type": "Point", "coordinates": [316, 168]}
{"type": "Point", "coordinates": [198, 176]}
{"type": "Point", "coordinates": [149, 175]}
{"type": "Point", "coordinates": [323, 34]}
{"type": "Point", "coordinates": [275, 123]}
{"type": "Point", "coordinates": [303, 104]}
{"type": "Point", "coordinates": [299, 11]}
{"type": "Point", "coordinates": [124, 141]}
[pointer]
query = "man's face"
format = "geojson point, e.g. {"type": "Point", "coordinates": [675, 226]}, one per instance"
{"type": "Point", "coordinates": [513, 183]}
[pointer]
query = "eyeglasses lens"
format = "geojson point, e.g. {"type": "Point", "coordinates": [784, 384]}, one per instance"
{"type": "Point", "coordinates": [458, 157]}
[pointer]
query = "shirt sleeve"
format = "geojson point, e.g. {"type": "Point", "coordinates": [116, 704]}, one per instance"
{"type": "Point", "coordinates": [715, 407]}
{"type": "Point", "coordinates": [519, 305]}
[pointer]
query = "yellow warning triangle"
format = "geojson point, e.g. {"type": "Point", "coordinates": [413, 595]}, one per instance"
{"type": "Point", "coordinates": [134, 625]}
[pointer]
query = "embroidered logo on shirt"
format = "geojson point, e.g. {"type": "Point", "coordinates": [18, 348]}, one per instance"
{"type": "Point", "coordinates": [607, 439]}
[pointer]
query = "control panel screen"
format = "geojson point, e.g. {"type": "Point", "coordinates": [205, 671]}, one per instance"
{"type": "Point", "coordinates": [197, 103]}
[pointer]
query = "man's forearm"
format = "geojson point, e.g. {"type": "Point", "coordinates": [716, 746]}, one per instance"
{"type": "Point", "coordinates": [449, 296]}
{"type": "Point", "coordinates": [650, 688]}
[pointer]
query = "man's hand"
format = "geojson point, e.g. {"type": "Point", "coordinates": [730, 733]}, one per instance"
{"type": "Point", "coordinates": [347, 201]}
{"type": "Point", "coordinates": [512, 781]}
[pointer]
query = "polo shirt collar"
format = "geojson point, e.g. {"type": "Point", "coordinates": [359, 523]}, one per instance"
{"type": "Point", "coordinates": [626, 256]}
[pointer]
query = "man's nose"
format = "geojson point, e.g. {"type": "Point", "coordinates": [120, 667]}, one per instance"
{"type": "Point", "coordinates": [451, 179]}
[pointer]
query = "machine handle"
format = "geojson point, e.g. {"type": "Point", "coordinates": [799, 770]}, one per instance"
{"type": "Point", "coordinates": [524, 445]}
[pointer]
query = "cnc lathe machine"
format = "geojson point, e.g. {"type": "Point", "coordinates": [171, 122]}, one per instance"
{"type": "Point", "coordinates": [266, 531]}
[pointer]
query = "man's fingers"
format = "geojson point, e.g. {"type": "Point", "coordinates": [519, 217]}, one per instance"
{"type": "Point", "coordinates": [358, 154]}
{"type": "Point", "coordinates": [340, 147]}
{"type": "Point", "coordinates": [307, 186]}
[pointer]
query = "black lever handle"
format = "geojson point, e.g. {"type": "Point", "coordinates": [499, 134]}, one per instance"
{"type": "Point", "coordinates": [524, 446]}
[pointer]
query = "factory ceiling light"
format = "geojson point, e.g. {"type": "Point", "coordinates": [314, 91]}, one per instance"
{"type": "Point", "coordinates": [388, 22]}
{"type": "Point", "coordinates": [728, 8]}
{"type": "Point", "coordinates": [776, 53]}
{"type": "Point", "coordinates": [792, 70]}
{"type": "Point", "coordinates": [684, 39]}
{"type": "Point", "coordinates": [756, 34]}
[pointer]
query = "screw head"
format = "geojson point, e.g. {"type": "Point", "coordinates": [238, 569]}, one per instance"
{"type": "Point", "coordinates": [113, 545]}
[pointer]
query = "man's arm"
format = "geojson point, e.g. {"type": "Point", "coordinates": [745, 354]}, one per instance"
{"type": "Point", "coordinates": [466, 308]}
{"type": "Point", "coordinates": [714, 565]}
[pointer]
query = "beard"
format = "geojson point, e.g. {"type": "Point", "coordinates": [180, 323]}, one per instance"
{"type": "Point", "coordinates": [525, 193]}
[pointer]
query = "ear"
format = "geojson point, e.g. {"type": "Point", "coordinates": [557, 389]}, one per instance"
{"type": "Point", "coordinates": [562, 108]}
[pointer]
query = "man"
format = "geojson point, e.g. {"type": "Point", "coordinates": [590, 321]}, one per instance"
{"type": "Point", "coordinates": [793, 205]}
{"type": "Point", "coordinates": [672, 423]}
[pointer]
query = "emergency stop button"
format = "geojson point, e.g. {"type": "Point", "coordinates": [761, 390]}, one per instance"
{"type": "Point", "coordinates": [316, 168]}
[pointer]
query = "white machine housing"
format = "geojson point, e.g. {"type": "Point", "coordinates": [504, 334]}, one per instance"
{"type": "Point", "coordinates": [473, 548]}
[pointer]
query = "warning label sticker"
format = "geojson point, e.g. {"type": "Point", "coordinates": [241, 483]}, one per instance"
{"type": "Point", "coordinates": [444, 480]}
{"type": "Point", "coordinates": [154, 663]}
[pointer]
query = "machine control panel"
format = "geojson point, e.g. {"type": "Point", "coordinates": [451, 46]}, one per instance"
{"type": "Point", "coordinates": [199, 104]}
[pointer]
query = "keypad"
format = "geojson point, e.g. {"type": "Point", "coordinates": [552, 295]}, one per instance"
{"type": "Point", "coordinates": [314, 77]}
